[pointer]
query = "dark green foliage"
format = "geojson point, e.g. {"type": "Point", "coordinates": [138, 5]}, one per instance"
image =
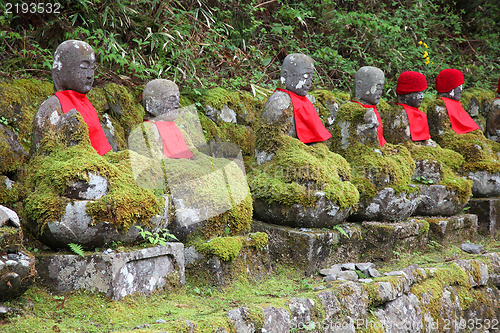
{"type": "Point", "coordinates": [203, 44]}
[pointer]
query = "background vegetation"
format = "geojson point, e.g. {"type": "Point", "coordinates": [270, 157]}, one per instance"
{"type": "Point", "coordinates": [207, 43]}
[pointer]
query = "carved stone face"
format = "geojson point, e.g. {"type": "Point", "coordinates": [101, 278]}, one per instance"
{"type": "Point", "coordinates": [455, 93]}
{"type": "Point", "coordinates": [412, 99]}
{"type": "Point", "coordinates": [368, 85]}
{"type": "Point", "coordinates": [73, 67]}
{"type": "Point", "coordinates": [161, 99]}
{"type": "Point", "coordinates": [297, 73]}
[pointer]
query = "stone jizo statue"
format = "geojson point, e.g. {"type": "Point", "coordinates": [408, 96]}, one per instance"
{"type": "Point", "coordinates": [410, 90]}
{"type": "Point", "coordinates": [161, 102]}
{"type": "Point", "coordinates": [73, 76]}
{"type": "Point", "coordinates": [449, 87]}
{"type": "Point", "coordinates": [291, 106]}
{"type": "Point", "coordinates": [368, 88]}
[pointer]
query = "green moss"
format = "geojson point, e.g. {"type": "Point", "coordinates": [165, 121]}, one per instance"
{"type": "Point", "coordinates": [131, 112]}
{"type": "Point", "coordinates": [247, 107]}
{"type": "Point", "coordinates": [480, 153]}
{"type": "Point", "coordinates": [124, 204]}
{"type": "Point", "coordinates": [228, 248]}
{"type": "Point", "coordinates": [482, 96]}
{"type": "Point", "coordinates": [10, 161]}
{"type": "Point", "coordinates": [451, 165]}
{"type": "Point", "coordinates": [298, 171]}
{"type": "Point", "coordinates": [441, 277]}
{"type": "Point", "coordinates": [225, 248]}
{"type": "Point", "coordinates": [19, 102]}
{"type": "Point", "coordinates": [12, 195]}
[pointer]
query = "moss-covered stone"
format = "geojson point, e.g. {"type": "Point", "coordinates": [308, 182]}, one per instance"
{"type": "Point", "coordinates": [19, 101]}
{"type": "Point", "coordinates": [247, 107]}
{"type": "Point", "coordinates": [124, 204]}
{"type": "Point", "coordinates": [119, 102]}
{"type": "Point", "coordinates": [298, 171]}
{"type": "Point", "coordinates": [451, 165]}
{"type": "Point", "coordinates": [480, 153]}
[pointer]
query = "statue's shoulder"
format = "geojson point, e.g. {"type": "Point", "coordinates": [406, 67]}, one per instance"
{"type": "Point", "coordinates": [277, 103]}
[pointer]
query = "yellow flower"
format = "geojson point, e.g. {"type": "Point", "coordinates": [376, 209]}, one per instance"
{"type": "Point", "coordinates": [428, 59]}
{"type": "Point", "coordinates": [427, 62]}
{"type": "Point", "coordinates": [425, 54]}
{"type": "Point", "coordinates": [425, 45]}
{"type": "Point", "coordinates": [420, 43]}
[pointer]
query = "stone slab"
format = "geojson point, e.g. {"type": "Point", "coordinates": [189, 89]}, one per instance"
{"type": "Point", "coordinates": [115, 274]}
{"type": "Point", "coordinates": [253, 263]}
{"type": "Point", "coordinates": [453, 229]}
{"type": "Point", "coordinates": [311, 249]}
{"type": "Point", "coordinates": [488, 215]}
{"type": "Point", "coordinates": [314, 249]}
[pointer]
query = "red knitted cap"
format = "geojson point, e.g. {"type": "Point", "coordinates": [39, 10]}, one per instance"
{"type": "Point", "coordinates": [498, 90]}
{"type": "Point", "coordinates": [449, 79]}
{"type": "Point", "coordinates": [409, 82]}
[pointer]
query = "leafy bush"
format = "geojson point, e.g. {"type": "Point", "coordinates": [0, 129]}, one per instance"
{"type": "Point", "coordinates": [206, 43]}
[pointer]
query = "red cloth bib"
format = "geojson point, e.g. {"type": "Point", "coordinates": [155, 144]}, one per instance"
{"type": "Point", "coordinates": [419, 128]}
{"type": "Point", "coordinates": [380, 128]}
{"type": "Point", "coordinates": [174, 145]}
{"type": "Point", "coordinates": [460, 120]}
{"type": "Point", "coordinates": [70, 99]}
{"type": "Point", "coordinates": [307, 123]}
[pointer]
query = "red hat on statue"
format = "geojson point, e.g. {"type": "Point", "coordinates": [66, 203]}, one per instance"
{"type": "Point", "coordinates": [449, 79]}
{"type": "Point", "coordinates": [410, 82]}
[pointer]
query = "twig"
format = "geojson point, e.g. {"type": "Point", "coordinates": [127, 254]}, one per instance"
{"type": "Point", "coordinates": [262, 4]}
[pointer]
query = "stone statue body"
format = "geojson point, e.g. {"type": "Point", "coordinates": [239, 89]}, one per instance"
{"type": "Point", "coordinates": [372, 160]}
{"type": "Point", "coordinates": [452, 127]}
{"type": "Point", "coordinates": [72, 70]}
{"type": "Point", "coordinates": [368, 88]}
{"type": "Point", "coordinates": [296, 76]}
{"type": "Point", "coordinates": [289, 123]}
{"type": "Point", "coordinates": [397, 123]}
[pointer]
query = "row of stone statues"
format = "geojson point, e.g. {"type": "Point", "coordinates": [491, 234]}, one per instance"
{"type": "Point", "coordinates": [305, 177]}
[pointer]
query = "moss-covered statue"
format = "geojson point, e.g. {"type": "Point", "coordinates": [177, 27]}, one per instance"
{"type": "Point", "coordinates": [442, 191]}
{"type": "Point", "coordinates": [453, 128]}
{"type": "Point", "coordinates": [381, 171]}
{"type": "Point", "coordinates": [493, 121]}
{"type": "Point", "coordinates": [298, 182]}
{"type": "Point", "coordinates": [79, 191]}
{"type": "Point", "coordinates": [210, 194]}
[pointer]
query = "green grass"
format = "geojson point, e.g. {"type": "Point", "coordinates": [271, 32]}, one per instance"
{"type": "Point", "coordinates": [196, 301]}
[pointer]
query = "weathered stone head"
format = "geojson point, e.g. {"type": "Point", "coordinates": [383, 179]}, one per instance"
{"type": "Point", "coordinates": [297, 73]}
{"type": "Point", "coordinates": [410, 88]}
{"type": "Point", "coordinates": [368, 85]}
{"type": "Point", "coordinates": [73, 67]}
{"type": "Point", "coordinates": [449, 83]}
{"type": "Point", "coordinates": [161, 98]}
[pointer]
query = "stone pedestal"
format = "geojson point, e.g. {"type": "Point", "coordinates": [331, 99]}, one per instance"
{"type": "Point", "coordinates": [487, 211]}
{"type": "Point", "coordinates": [116, 274]}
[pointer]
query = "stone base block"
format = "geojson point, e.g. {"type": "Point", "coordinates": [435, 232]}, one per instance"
{"type": "Point", "coordinates": [117, 274]}
{"type": "Point", "coordinates": [453, 229]}
{"type": "Point", "coordinates": [487, 211]}
{"type": "Point", "coordinates": [250, 262]}
{"type": "Point", "coordinates": [314, 249]}
{"type": "Point", "coordinates": [311, 249]}
{"type": "Point", "coordinates": [382, 240]}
